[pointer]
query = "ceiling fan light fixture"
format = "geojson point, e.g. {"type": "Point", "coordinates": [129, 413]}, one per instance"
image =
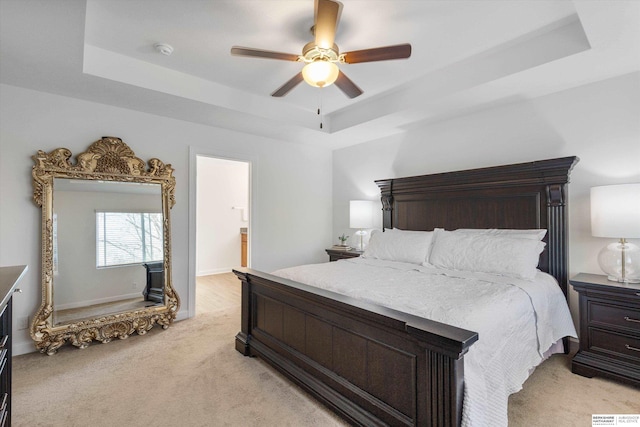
{"type": "Point", "coordinates": [320, 73]}
{"type": "Point", "coordinates": [322, 55]}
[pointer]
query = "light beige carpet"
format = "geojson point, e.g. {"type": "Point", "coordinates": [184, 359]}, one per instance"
{"type": "Point", "coordinates": [187, 375]}
{"type": "Point", "coordinates": [191, 375]}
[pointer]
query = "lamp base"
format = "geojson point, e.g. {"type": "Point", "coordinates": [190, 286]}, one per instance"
{"type": "Point", "coordinates": [361, 233]}
{"type": "Point", "coordinates": [621, 262]}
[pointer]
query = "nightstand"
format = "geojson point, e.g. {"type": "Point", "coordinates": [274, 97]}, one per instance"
{"type": "Point", "coordinates": [609, 329]}
{"type": "Point", "coordinates": [336, 254]}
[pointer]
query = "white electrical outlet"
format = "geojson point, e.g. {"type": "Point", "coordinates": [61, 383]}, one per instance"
{"type": "Point", "coordinates": [23, 323]}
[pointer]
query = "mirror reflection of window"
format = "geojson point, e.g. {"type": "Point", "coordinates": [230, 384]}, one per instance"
{"type": "Point", "coordinates": [126, 238]}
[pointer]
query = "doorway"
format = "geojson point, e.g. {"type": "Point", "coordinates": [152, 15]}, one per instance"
{"type": "Point", "coordinates": [222, 228]}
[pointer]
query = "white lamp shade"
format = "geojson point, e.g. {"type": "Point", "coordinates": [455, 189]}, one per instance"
{"type": "Point", "coordinates": [320, 73]}
{"type": "Point", "coordinates": [360, 214]}
{"type": "Point", "coordinates": [615, 211]}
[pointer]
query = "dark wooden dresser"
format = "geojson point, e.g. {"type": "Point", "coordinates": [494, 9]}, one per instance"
{"type": "Point", "coordinates": [9, 277]}
{"type": "Point", "coordinates": [609, 329]}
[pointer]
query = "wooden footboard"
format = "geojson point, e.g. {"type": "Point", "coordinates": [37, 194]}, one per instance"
{"type": "Point", "coordinates": [371, 365]}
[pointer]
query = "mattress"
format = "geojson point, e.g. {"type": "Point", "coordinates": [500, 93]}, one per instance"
{"type": "Point", "coordinates": [517, 320]}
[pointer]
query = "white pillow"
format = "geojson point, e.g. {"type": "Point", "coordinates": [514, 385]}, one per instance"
{"type": "Point", "coordinates": [487, 253]}
{"type": "Point", "coordinates": [399, 245]}
{"type": "Point", "coordinates": [534, 234]}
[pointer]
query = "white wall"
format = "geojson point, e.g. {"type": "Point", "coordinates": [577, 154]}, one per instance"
{"type": "Point", "coordinates": [222, 186]}
{"type": "Point", "coordinates": [291, 184]}
{"type": "Point", "coordinates": [600, 123]}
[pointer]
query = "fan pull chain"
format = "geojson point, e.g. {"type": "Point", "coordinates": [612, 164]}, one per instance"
{"type": "Point", "coordinates": [320, 106]}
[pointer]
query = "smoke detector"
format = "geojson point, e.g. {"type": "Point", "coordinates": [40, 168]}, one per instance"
{"type": "Point", "coordinates": [163, 48]}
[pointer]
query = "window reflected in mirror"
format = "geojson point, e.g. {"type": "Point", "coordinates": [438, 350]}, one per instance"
{"type": "Point", "coordinates": [128, 238]}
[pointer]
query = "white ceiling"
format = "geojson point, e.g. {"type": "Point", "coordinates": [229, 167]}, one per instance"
{"type": "Point", "coordinates": [467, 55]}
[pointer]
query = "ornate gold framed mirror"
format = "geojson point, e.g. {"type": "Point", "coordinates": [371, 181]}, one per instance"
{"type": "Point", "coordinates": [106, 245]}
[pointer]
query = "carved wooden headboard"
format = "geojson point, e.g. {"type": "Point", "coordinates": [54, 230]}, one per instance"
{"type": "Point", "coordinates": [519, 196]}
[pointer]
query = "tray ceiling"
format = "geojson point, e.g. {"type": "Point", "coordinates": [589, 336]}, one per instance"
{"type": "Point", "coordinates": [467, 55]}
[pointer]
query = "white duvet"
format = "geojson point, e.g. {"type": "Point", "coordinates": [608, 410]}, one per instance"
{"type": "Point", "coordinates": [516, 320]}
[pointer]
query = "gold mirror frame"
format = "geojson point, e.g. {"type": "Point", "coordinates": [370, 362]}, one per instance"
{"type": "Point", "coordinates": [108, 159]}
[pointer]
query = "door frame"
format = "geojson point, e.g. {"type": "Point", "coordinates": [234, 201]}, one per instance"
{"type": "Point", "coordinates": [194, 153]}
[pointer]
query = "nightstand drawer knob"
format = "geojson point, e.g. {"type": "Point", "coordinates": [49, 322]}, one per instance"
{"type": "Point", "coordinates": [631, 348]}
{"type": "Point", "coordinates": [629, 319]}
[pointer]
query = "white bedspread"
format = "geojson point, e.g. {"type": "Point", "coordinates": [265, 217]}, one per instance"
{"type": "Point", "coordinates": [516, 320]}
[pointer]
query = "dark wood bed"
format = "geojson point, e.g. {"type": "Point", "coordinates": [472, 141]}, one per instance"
{"type": "Point", "coordinates": [377, 366]}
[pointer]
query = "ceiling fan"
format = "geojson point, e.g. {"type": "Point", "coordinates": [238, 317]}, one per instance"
{"type": "Point", "coordinates": [321, 55]}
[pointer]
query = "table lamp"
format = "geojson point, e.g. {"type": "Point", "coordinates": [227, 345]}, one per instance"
{"type": "Point", "coordinates": [361, 217]}
{"type": "Point", "coordinates": [615, 212]}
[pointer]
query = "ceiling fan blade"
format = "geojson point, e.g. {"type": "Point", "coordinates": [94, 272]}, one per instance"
{"type": "Point", "coordinates": [345, 84]}
{"type": "Point", "coordinates": [327, 15]}
{"type": "Point", "coordinates": [285, 88]}
{"type": "Point", "coordinates": [399, 51]}
{"type": "Point", "coordinates": [259, 53]}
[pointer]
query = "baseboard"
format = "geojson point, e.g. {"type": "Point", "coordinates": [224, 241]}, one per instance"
{"type": "Point", "coordinates": [574, 344]}
{"type": "Point", "coordinates": [23, 348]}
{"type": "Point", "coordinates": [214, 271]}
{"type": "Point", "coordinates": [182, 315]}
{"type": "Point", "coordinates": [79, 304]}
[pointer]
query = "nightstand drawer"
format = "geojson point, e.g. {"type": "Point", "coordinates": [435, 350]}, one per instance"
{"type": "Point", "coordinates": [619, 345]}
{"type": "Point", "coordinates": [614, 315]}
{"type": "Point", "coordinates": [336, 254]}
